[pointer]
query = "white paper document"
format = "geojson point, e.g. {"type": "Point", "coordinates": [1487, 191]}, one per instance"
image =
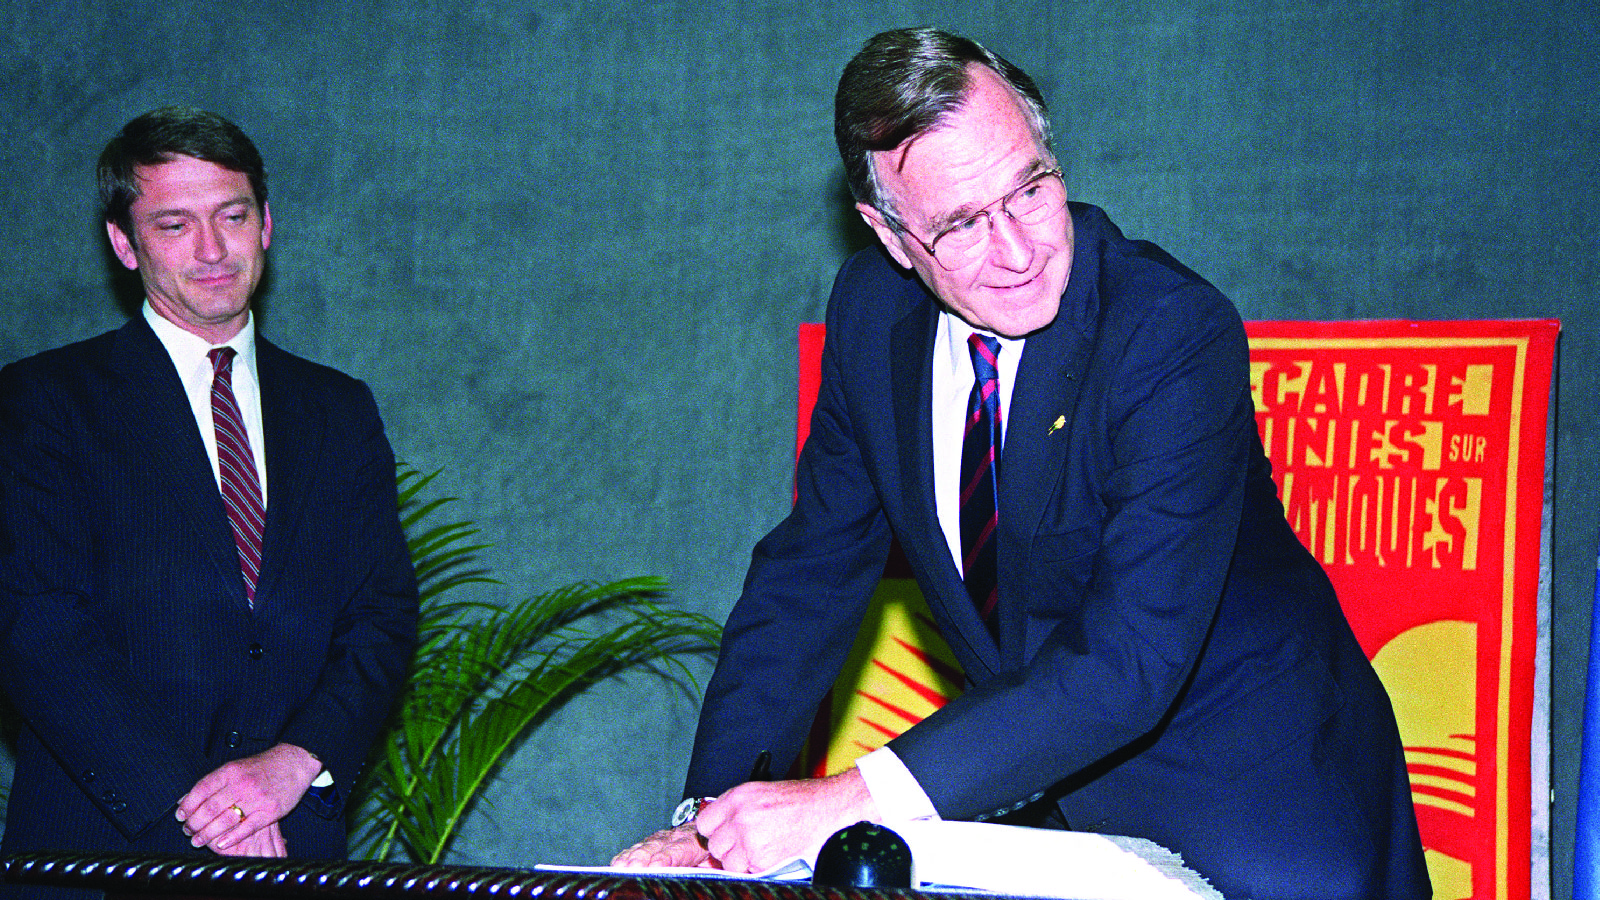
{"type": "Point", "coordinates": [1005, 859]}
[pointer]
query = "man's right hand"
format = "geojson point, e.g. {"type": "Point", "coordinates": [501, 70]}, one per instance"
{"type": "Point", "coordinates": [681, 847]}
{"type": "Point", "coordinates": [241, 797]}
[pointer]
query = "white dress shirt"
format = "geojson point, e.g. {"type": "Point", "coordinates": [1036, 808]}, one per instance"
{"type": "Point", "coordinates": [188, 353]}
{"type": "Point", "coordinates": [952, 390]}
{"type": "Point", "coordinates": [891, 784]}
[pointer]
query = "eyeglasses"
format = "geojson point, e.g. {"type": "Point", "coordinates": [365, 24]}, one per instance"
{"type": "Point", "coordinates": [1034, 202]}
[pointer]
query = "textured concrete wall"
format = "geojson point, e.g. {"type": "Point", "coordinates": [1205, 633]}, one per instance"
{"type": "Point", "coordinates": [568, 244]}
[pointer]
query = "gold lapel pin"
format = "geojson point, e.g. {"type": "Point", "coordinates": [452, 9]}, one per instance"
{"type": "Point", "coordinates": [1057, 425]}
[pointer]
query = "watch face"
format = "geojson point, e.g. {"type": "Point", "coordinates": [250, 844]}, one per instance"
{"type": "Point", "coordinates": [686, 811]}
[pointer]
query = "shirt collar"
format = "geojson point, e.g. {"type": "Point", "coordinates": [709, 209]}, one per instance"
{"type": "Point", "coordinates": [957, 331]}
{"type": "Point", "coordinates": [188, 351]}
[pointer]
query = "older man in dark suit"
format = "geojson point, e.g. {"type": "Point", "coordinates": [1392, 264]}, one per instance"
{"type": "Point", "coordinates": [1055, 423]}
{"type": "Point", "coordinates": [206, 603]}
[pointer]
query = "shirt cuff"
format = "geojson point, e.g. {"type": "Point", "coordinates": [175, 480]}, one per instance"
{"type": "Point", "coordinates": [893, 788]}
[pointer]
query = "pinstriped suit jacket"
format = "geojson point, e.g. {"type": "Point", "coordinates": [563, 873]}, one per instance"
{"type": "Point", "coordinates": [126, 642]}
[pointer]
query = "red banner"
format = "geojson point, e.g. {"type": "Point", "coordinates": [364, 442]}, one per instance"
{"type": "Point", "coordinates": [1410, 457]}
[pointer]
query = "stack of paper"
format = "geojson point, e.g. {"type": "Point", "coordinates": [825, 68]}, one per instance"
{"type": "Point", "coordinates": [1041, 862]}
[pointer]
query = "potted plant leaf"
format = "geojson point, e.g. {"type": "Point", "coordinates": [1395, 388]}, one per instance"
{"type": "Point", "coordinates": [485, 675]}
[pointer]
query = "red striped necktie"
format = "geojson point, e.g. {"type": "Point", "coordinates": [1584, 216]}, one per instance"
{"type": "Point", "coordinates": [241, 486]}
{"type": "Point", "coordinates": [980, 454]}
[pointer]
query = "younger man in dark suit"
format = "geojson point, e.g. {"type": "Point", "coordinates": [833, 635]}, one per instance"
{"type": "Point", "coordinates": [1055, 423]}
{"type": "Point", "coordinates": [206, 602]}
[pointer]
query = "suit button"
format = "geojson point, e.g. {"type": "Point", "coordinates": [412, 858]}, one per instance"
{"type": "Point", "coordinates": [256, 652]}
{"type": "Point", "coordinates": [233, 739]}
{"type": "Point", "coordinates": [118, 806]}
{"type": "Point", "coordinates": [109, 796]}
{"type": "Point", "coordinates": [88, 777]}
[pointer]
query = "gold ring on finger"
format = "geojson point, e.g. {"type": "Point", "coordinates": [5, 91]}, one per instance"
{"type": "Point", "coordinates": [237, 811]}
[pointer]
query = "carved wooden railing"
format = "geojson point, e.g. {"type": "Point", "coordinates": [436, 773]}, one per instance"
{"type": "Point", "coordinates": [123, 876]}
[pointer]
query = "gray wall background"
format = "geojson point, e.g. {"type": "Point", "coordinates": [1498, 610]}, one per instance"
{"type": "Point", "coordinates": [568, 243]}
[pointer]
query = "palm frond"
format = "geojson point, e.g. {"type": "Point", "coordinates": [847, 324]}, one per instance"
{"type": "Point", "coordinates": [485, 675]}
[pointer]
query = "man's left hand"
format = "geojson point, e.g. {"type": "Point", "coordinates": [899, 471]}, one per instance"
{"type": "Point", "coordinates": [680, 847]}
{"type": "Point", "coordinates": [240, 798]}
{"type": "Point", "coordinates": [760, 824]}
{"type": "Point", "coordinates": [266, 842]}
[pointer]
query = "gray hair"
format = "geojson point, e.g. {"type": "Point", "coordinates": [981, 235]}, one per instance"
{"type": "Point", "coordinates": [904, 83]}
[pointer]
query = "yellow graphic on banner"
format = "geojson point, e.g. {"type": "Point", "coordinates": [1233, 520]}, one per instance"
{"type": "Point", "coordinates": [900, 671]}
{"type": "Point", "coordinates": [1431, 674]}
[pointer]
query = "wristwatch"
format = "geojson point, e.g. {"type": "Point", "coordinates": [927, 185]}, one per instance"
{"type": "Point", "coordinates": [688, 809]}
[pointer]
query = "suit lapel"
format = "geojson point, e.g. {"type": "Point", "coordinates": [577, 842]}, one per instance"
{"type": "Point", "coordinates": [1044, 404]}
{"type": "Point", "coordinates": [158, 421]}
{"type": "Point", "coordinates": [1044, 401]}
{"type": "Point", "coordinates": [911, 361]}
{"type": "Point", "coordinates": [911, 346]}
{"type": "Point", "coordinates": [1045, 397]}
{"type": "Point", "coordinates": [293, 432]}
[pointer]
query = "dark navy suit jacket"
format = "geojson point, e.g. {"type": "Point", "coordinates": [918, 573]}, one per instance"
{"type": "Point", "coordinates": [1171, 663]}
{"type": "Point", "coordinates": [126, 642]}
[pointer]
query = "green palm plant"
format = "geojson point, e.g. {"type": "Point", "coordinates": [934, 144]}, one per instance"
{"type": "Point", "coordinates": [485, 675]}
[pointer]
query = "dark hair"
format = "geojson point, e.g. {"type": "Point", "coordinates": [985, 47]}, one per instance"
{"type": "Point", "coordinates": [903, 83]}
{"type": "Point", "coordinates": [158, 136]}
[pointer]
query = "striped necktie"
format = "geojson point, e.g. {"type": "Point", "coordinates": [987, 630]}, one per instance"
{"type": "Point", "coordinates": [241, 486]}
{"type": "Point", "coordinates": [980, 454]}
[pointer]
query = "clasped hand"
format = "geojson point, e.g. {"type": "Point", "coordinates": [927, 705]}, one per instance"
{"type": "Point", "coordinates": [757, 825]}
{"type": "Point", "coordinates": [236, 808]}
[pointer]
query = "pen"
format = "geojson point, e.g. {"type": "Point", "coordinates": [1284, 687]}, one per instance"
{"type": "Point", "coordinates": [691, 806]}
{"type": "Point", "coordinates": [762, 770]}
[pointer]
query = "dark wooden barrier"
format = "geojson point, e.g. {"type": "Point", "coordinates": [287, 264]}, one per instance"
{"type": "Point", "coordinates": [217, 877]}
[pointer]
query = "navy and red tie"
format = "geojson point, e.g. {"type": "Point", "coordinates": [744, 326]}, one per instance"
{"type": "Point", "coordinates": [241, 486]}
{"type": "Point", "coordinates": [980, 454]}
